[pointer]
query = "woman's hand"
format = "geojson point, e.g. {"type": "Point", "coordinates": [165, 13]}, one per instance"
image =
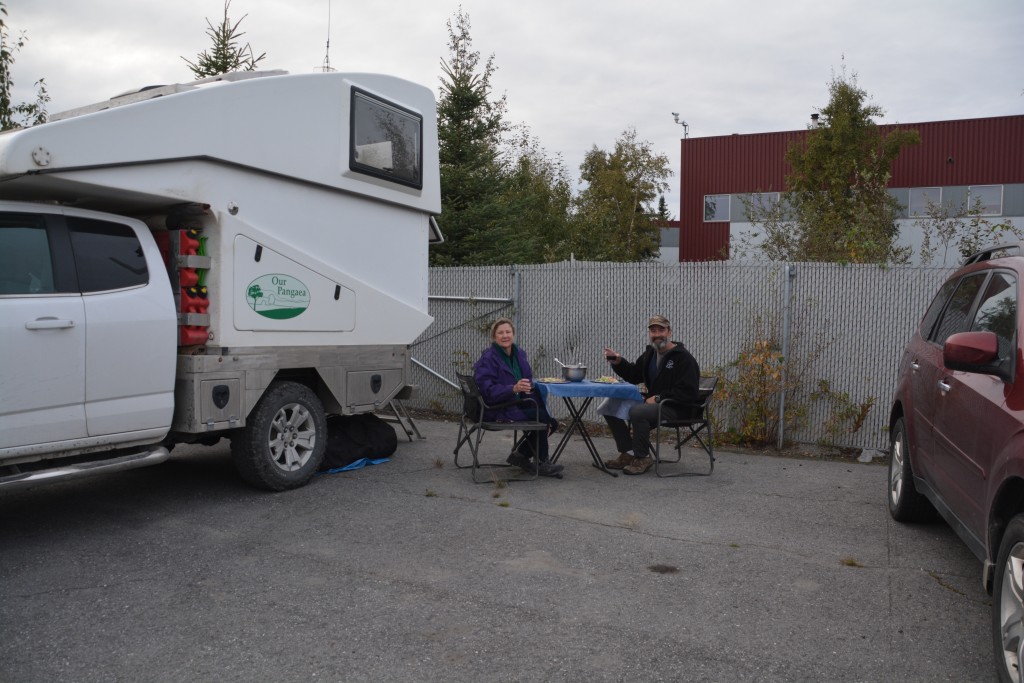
{"type": "Point", "coordinates": [523, 386]}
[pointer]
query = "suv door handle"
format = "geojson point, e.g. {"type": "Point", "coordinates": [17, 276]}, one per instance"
{"type": "Point", "coordinates": [944, 386]}
{"type": "Point", "coordinates": [915, 366]}
{"type": "Point", "coordinates": [49, 324]}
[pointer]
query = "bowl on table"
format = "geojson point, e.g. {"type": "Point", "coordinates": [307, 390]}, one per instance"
{"type": "Point", "coordinates": [574, 373]}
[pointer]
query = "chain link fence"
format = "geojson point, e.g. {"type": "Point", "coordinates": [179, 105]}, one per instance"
{"type": "Point", "coordinates": [846, 325]}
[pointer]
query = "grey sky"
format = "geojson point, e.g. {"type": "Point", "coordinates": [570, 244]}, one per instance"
{"type": "Point", "coordinates": [577, 72]}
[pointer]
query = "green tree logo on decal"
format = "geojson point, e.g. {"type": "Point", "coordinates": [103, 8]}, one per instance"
{"type": "Point", "coordinates": [255, 293]}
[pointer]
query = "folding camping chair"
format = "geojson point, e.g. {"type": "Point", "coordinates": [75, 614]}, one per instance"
{"type": "Point", "coordinates": [696, 418]}
{"type": "Point", "coordinates": [472, 427]}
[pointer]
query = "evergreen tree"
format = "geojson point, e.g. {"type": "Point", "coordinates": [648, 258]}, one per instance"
{"type": "Point", "coordinates": [226, 55]}
{"type": "Point", "coordinates": [470, 130]}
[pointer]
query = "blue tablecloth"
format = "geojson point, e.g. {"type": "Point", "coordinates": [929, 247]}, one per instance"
{"type": "Point", "coordinates": [622, 390]}
{"type": "Point", "coordinates": [618, 397]}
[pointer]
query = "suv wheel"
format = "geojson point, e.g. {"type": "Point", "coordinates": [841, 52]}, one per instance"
{"type": "Point", "coordinates": [905, 503]}
{"type": "Point", "coordinates": [1008, 603]}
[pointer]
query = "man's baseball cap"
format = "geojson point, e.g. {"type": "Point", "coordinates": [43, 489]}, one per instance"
{"type": "Point", "coordinates": [660, 321]}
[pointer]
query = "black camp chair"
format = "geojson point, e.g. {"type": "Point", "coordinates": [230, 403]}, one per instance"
{"type": "Point", "coordinates": [696, 419]}
{"type": "Point", "coordinates": [472, 427]}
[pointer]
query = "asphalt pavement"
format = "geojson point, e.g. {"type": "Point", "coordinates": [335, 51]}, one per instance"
{"type": "Point", "coordinates": [770, 569]}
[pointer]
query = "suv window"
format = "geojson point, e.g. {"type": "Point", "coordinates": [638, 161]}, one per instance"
{"type": "Point", "coordinates": [107, 255]}
{"type": "Point", "coordinates": [955, 318]}
{"type": "Point", "coordinates": [932, 314]}
{"type": "Point", "coordinates": [997, 312]}
{"type": "Point", "coordinates": [26, 266]}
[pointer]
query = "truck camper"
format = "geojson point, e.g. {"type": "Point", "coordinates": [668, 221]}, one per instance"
{"type": "Point", "coordinates": [233, 257]}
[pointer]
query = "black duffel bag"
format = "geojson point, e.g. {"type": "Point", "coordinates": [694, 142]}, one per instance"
{"type": "Point", "coordinates": [353, 437]}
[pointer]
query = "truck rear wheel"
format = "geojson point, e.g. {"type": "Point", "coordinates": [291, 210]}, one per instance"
{"type": "Point", "coordinates": [283, 442]}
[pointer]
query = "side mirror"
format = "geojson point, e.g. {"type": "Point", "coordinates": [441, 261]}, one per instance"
{"type": "Point", "coordinates": [976, 352]}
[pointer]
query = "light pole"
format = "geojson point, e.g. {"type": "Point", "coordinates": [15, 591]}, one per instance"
{"type": "Point", "coordinates": [686, 134]}
{"type": "Point", "coordinates": [684, 124]}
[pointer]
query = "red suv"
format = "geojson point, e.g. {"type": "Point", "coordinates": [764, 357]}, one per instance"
{"type": "Point", "coordinates": [957, 432]}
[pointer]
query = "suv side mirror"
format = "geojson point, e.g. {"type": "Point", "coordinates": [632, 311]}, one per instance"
{"type": "Point", "coordinates": [975, 352]}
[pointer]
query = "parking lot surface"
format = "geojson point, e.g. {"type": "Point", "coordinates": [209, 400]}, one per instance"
{"type": "Point", "coordinates": [771, 569]}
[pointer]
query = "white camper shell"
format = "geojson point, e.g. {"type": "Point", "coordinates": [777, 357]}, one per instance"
{"type": "Point", "coordinates": [292, 214]}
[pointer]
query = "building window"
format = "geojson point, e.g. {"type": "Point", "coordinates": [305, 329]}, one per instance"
{"type": "Point", "coordinates": [921, 198]}
{"type": "Point", "coordinates": [988, 197]}
{"type": "Point", "coordinates": [716, 208]}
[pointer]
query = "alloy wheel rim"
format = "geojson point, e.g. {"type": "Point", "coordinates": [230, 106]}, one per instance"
{"type": "Point", "coordinates": [292, 437]}
{"type": "Point", "coordinates": [896, 470]}
{"type": "Point", "coordinates": [1011, 611]}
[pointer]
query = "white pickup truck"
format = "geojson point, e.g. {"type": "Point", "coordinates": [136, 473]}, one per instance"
{"type": "Point", "coordinates": [233, 257]}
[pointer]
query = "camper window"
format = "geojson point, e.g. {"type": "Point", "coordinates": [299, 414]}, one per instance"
{"type": "Point", "coordinates": [386, 140]}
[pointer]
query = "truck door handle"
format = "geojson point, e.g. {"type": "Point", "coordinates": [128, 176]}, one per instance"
{"type": "Point", "coordinates": [944, 386]}
{"type": "Point", "coordinates": [49, 324]}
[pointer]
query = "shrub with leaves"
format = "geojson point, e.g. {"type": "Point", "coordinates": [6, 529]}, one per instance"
{"type": "Point", "coordinates": [750, 389]}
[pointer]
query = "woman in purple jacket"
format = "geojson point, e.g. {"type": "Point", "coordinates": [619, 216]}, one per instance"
{"type": "Point", "coordinates": [503, 374]}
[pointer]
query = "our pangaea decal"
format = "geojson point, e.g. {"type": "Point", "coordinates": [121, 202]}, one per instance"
{"type": "Point", "coordinates": [278, 296]}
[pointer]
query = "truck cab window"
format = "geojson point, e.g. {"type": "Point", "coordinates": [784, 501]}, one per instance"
{"type": "Point", "coordinates": [26, 266]}
{"type": "Point", "coordinates": [386, 140]}
{"type": "Point", "coordinates": [107, 255]}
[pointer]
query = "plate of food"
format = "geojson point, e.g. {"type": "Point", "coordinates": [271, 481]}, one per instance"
{"type": "Point", "coordinates": [552, 380]}
{"type": "Point", "coordinates": [607, 380]}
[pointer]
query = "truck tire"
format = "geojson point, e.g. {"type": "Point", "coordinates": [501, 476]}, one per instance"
{"type": "Point", "coordinates": [284, 440]}
{"type": "Point", "coordinates": [906, 504]}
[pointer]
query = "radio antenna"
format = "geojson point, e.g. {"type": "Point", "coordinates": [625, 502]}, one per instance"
{"type": "Point", "coordinates": [327, 55]}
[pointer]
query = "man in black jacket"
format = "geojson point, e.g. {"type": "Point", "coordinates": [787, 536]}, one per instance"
{"type": "Point", "coordinates": [666, 370]}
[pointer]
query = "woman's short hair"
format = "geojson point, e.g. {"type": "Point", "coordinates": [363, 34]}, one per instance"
{"type": "Point", "coordinates": [502, 321]}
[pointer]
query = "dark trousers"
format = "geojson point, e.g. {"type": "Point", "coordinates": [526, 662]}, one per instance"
{"type": "Point", "coordinates": [643, 417]}
{"type": "Point", "coordinates": [536, 443]}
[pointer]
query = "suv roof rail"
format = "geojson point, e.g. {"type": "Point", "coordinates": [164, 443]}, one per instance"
{"type": "Point", "coordinates": [995, 251]}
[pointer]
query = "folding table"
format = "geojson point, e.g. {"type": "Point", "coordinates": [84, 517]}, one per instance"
{"type": "Point", "coordinates": [587, 390]}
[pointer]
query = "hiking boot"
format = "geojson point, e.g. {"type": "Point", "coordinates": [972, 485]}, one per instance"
{"type": "Point", "coordinates": [624, 460]}
{"type": "Point", "coordinates": [546, 469]}
{"type": "Point", "coordinates": [639, 466]}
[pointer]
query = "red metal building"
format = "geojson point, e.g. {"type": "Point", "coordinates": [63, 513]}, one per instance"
{"type": "Point", "coordinates": [962, 153]}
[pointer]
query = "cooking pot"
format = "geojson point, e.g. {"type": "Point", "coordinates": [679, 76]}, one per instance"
{"type": "Point", "coordinates": [574, 373]}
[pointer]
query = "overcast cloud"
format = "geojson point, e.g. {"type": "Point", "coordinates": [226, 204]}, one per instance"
{"type": "Point", "coordinates": [577, 72]}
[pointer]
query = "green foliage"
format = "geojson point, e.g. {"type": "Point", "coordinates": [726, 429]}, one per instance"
{"type": "Point", "coordinates": [749, 390]}
{"type": "Point", "coordinates": [663, 215]}
{"type": "Point", "coordinates": [845, 417]}
{"type": "Point", "coordinates": [17, 115]}
{"type": "Point", "coordinates": [503, 199]}
{"type": "Point", "coordinates": [836, 207]}
{"type": "Point", "coordinates": [752, 387]}
{"type": "Point", "coordinates": [615, 218]}
{"type": "Point", "coordinates": [536, 203]}
{"type": "Point", "coordinates": [962, 227]}
{"type": "Point", "coordinates": [226, 55]}
{"type": "Point", "coordinates": [471, 127]}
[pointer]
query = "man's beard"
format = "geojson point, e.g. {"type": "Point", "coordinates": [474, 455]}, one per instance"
{"type": "Point", "coordinates": [660, 344]}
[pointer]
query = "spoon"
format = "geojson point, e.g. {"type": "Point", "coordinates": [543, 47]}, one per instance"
{"type": "Point", "coordinates": [560, 362]}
